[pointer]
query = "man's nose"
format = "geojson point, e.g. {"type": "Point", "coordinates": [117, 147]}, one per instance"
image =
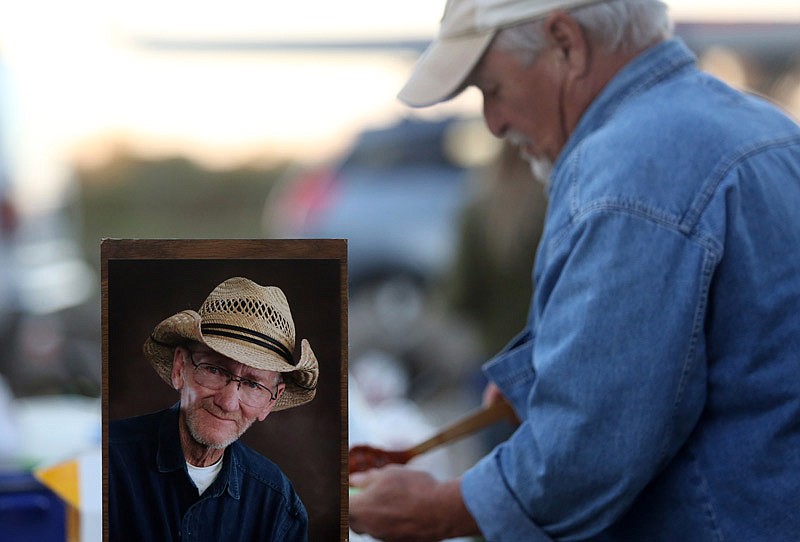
{"type": "Point", "coordinates": [228, 397]}
{"type": "Point", "coordinates": [494, 120]}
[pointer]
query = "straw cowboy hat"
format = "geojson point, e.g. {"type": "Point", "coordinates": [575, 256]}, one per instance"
{"type": "Point", "coordinates": [248, 323]}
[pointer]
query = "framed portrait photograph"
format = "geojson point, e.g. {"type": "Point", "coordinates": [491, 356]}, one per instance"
{"type": "Point", "coordinates": [224, 389]}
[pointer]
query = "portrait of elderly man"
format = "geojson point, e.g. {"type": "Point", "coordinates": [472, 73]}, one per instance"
{"type": "Point", "coordinates": [181, 473]}
{"type": "Point", "coordinates": [656, 377]}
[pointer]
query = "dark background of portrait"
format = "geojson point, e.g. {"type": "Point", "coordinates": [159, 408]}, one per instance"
{"type": "Point", "coordinates": [306, 441]}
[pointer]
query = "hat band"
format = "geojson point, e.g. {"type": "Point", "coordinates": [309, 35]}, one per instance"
{"type": "Point", "coordinates": [250, 336]}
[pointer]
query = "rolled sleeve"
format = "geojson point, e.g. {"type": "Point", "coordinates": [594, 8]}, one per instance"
{"type": "Point", "coordinates": [495, 507]}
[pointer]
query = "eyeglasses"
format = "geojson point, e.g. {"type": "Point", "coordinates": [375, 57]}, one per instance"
{"type": "Point", "coordinates": [215, 378]}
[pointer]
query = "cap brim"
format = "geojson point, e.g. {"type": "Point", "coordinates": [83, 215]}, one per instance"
{"type": "Point", "coordinates": [441, 72]}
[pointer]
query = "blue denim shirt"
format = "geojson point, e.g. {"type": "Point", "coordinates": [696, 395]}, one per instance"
{"type": "Point", "coordinates": [152, 498]}
{"type": "Point", "coordinates": [659, 374]}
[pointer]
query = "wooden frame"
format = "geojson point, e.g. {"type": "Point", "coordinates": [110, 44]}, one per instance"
{"type": "Point", "coordinates": [145, 281]}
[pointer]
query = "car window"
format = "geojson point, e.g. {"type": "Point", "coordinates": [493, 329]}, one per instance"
{"type": "Point", "coordinates": [407, 144]}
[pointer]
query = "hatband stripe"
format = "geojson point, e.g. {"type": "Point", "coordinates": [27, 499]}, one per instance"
{"type": "Point", "coordinates": [250, 336]}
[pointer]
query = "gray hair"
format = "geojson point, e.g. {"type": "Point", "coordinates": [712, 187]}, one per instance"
{"type": "Point", "coordinates": [615, 25]}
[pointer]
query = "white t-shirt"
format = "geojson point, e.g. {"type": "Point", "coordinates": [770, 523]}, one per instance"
{"type": "Point", "coordinates": [204, 476]}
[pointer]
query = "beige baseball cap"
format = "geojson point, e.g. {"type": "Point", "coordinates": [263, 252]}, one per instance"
{"type": "Point", "coordinates": [466, 30]}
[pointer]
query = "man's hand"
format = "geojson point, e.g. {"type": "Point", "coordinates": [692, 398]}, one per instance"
{"type": "Point", "coordinates": [492, 394]}
{"type": "Point", "coordinates": [397, 504]}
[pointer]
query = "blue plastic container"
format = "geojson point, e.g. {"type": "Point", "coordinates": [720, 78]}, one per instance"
{"type": "Point", "coordinates": [29, 511]}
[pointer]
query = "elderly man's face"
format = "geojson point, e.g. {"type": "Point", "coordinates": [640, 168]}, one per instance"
{"type": "Point", "coordinates": [217, 418]}
{"type": "Point", "coordinates": [522, 103]}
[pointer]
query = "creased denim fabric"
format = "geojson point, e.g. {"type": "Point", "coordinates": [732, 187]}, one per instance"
{"type": "Point", "coordinates": [659, 376]}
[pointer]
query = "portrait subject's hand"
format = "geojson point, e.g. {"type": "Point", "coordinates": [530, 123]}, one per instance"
{"type": "Point", "coordinates": [398, 504]}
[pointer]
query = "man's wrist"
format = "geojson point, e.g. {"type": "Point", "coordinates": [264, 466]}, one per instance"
{"type": "Point", "coordinates": [456, 520]}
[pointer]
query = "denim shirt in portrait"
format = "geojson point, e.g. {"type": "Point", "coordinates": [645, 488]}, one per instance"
{"type": "Point", "coordinates": [152, 498]}
{"type": "Point", "coordinates": [659, 374]}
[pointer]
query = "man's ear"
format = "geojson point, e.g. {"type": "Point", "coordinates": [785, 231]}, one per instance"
{"type": "Point", "coordinates": [568, 37]}
{"type": "Point", "coordinates": [178, 363]}
{"type": "Point", "coordinates": [267, 409]}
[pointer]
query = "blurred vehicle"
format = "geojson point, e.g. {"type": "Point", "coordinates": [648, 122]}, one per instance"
{"type": "Point", "coordinates": [396, 196]}
{"type": "Point", "coordinates": [393, 194]}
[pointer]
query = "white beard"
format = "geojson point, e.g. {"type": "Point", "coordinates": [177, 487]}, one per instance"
{"type": "Point", "coordinates": [541, 168]}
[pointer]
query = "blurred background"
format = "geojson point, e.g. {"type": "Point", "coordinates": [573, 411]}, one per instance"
{"type": "Point", "coordinates": [262, 118]}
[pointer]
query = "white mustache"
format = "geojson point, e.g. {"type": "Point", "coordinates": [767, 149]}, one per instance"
{"type": "Point", "coordinates": [520, 141]}
{"type": "Point", "coordinates": [516, 138]}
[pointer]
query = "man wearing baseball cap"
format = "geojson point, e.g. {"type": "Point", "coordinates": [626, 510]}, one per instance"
{"type": "Point", "coordinates": [181, 474]}
{"type": "Point", "coordinates": [657, 377]}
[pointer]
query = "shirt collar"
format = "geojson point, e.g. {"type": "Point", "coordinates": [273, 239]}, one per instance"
{"type": "Point", "coordinates": [230, 477]}
{"type": "Point", "coordinates": [644, 71]}
{"type": "Point", "coordinates": [170, 454]}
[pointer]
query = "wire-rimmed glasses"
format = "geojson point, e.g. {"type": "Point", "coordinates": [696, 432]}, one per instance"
{"type": "Point", "coordinates": [215, 378]}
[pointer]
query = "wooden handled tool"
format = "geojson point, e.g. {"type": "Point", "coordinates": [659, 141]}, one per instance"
{"type": "Point", "coordinates": [365, 457]}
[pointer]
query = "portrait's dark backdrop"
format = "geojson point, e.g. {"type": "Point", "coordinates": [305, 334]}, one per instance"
{"type": "Point", "coordinates": [306, 441]}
